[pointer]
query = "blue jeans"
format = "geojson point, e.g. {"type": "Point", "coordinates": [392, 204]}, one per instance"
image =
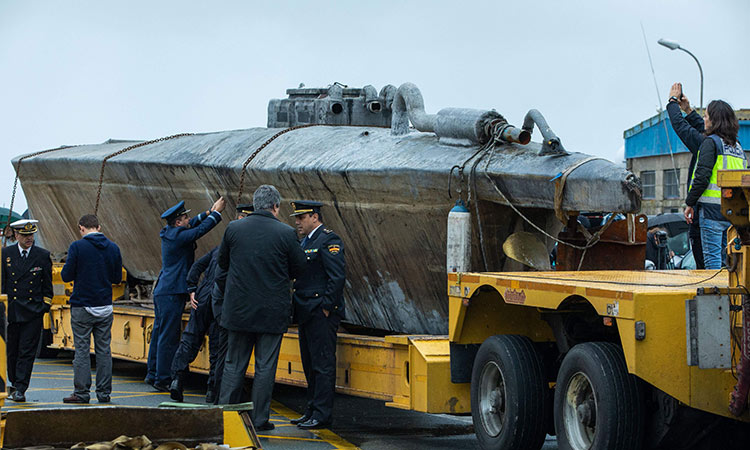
{"type": "Point", "coordinates": [714, 240]}
{"type": "Point", "coordinates": [165, 336]}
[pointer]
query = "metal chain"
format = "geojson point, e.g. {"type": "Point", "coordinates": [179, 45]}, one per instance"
{"type": "Point", "coordinates": [15, 182]}
{"type": "Point", "coordinates": [120, 152]}
{"type": "Point", "coordinates": [284, 131]}
{"type": "Point", "coordinates": [271, 139]}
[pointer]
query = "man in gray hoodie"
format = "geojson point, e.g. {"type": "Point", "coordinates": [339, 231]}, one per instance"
{"type": "Point", "coordinates": [94, 264]}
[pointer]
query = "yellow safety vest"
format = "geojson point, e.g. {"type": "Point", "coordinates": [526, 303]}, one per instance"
{"type": "Point", "coordinates": [727, 158]}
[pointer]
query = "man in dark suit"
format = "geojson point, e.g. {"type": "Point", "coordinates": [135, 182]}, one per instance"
{"type": "Point", "coordinates": [260, 256]}
{"type": "Point", "coordinates": [171, 293]}
{"type": "Point", "coordinates": [27, 280]}
{"type": "Point", "coordinates": [202, 321]}
{"type": "Point", "coordinates": [319, 307]}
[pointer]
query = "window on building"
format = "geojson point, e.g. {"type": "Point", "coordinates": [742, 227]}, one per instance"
{"type": "Point", "coordinates": [672, 183]}
{"type": "Point", "coordinates": [648, 181]}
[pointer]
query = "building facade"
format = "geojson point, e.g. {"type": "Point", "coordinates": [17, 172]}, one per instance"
{"type": "Point", "coordinates": [657, 156]}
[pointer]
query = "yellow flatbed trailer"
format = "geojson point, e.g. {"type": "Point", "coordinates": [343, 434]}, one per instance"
{"type": "Point", "coordinates": [609, 346]}
{"type": "Point", "coordinates": [516, 302]}
{"type": "Point", "coordinates": [640, 312]}
{"type": "Point", "coordinates": [408, 372]}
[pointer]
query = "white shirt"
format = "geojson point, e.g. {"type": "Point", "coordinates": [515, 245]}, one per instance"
{"type": "Point", "coordinates": [309, 236]}
{"type": "Point", "coordinates": [99, 311]}
{"type": "Point", "coordinates": [27, 250]}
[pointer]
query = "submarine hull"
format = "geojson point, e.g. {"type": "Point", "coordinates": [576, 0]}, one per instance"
{"type": "Point", "coordinates": [387, 197]}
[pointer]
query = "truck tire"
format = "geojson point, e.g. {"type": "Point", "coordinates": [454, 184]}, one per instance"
{"type": "Point", "coordinates": [508, 394]}
{"type": "Point", "coordinates": [598, 404]}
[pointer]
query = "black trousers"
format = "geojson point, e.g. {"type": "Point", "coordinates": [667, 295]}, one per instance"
{"type": "Point", "coordinates": [317, 344]}
{"type": "Point", "coordinates": [23, 342]}
{"type": "Point", "coordinates": [240, 346]}
{"type": "Point", "coordinates": [201, 322]}
{"type": "Point", "coordinates": [217, 353]}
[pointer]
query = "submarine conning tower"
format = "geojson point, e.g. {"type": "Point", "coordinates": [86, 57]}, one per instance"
{"type": "Point", "coordinates": [396, 108]}
{"type": "Point", "coordinates": [336, 104]}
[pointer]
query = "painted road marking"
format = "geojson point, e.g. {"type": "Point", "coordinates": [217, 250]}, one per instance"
{"type": "Point", "coordinates": [53, 373]}
{"type": "Point", "coordinates": [327, 435]}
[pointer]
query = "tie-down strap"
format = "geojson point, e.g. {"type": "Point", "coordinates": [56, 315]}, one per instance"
{"type": "Point", "coordinates": [560, 187]}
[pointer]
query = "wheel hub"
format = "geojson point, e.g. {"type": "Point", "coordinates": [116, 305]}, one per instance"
{"type": "Point", "coordinates": [492, 398]}
{"type": "Point", "coordinates": [497, 401]}
{"type": "Point", "coordinates": [579, 412]}
{"type": "Point", "coordinates": [585, 412]}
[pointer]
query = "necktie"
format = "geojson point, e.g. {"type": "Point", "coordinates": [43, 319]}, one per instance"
{"type": "Point", "coordinates": [304, 241]}
{"type": "Point", "coordinates": [23, 254]}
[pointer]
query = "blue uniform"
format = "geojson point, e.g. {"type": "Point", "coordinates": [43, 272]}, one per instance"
{"type": "Point", "coordinates": [171, 292]}
{"type": "Point", "coordinates": [178, 252]}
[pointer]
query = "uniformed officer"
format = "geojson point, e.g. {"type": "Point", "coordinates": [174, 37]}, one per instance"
{"type": "Point", "coordinates": [202, 321]}
{"type": "Point", "coordinates": [171, 293]}
{"type": "Point", "coordinates": [27, 280]}
{"type": "Point", "coordinates": [319, 307]}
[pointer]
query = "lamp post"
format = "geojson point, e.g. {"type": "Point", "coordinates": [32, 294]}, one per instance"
{"type": "Point", "coordinates": [675, 46]}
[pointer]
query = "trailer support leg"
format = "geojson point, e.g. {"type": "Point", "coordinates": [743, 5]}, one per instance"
{"type": "Point", "coordinates": [739, 395]}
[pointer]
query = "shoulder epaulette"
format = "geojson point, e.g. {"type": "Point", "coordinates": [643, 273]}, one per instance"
{"type": "Point", "coordinates": [326, 230]}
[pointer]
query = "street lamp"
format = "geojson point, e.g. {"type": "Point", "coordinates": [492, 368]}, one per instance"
{"type": "Point", "coordinates": [675, 46]}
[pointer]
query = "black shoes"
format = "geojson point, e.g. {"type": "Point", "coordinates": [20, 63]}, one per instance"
{"type": "Point", "coordinates": [299, 420]}
{"type": "Point", "coordinates": [17, 396]}
{"type": "Point", "coordinates": [175, 390]}
{"type": "Point", "coordinates": [103, 399]}
{"type": "Point", "coordinates": [75, 399]}
{"type": "Point", "coordinates": [148, 381]}
{"type": "Point", "coordinates": [312, 424]}
{"type": "Point", "coordinates": [210, 396]}
{"type": "Point", "coordinates": [265, 427]}
{"type": "Point", "coordinates": [161, 387]}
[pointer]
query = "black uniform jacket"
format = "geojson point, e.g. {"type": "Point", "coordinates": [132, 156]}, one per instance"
{"type": "Point", "coordinates": [206, 266]}
{"type": "Point", "coordinates": [261, 256]}
{"type": "Point", "coordinates": [322, 283]}
{"type": "Point", "coordinates": [27, 282]}
{"type": "Point", "coordinates": [690, 131]}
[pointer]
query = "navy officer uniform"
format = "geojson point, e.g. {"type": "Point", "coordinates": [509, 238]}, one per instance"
{"type": "Point", "coordinates": [27, 280]}
{"type": "Point", "coordinates": [171, 292]}
{"type": "Point", "coordinates": [203, 320]}
{"type": "Point", "coordinates": [318, 308]}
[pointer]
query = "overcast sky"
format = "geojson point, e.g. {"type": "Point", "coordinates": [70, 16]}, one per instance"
{"type": "Point", "coordinates": [75, 72]}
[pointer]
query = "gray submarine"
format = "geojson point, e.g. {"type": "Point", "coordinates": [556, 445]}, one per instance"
{"type": "Point", "coordinates": [387, 171]}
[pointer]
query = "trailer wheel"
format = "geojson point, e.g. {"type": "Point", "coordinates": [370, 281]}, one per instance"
{"type": "Point", "coordinates": [598, 405]}
{"type": "Point", "coordinates": [508, 394]}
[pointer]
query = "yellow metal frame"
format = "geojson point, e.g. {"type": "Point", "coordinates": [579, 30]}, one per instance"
{"type": "Point", "coordinates": [485, 304]}
{"type": "Point", "coordinates": [409, 372]}
{"type": "Point", "coordinates": [62, 291]}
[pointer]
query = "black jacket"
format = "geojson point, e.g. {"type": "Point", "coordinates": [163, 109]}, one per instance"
{"type": "Point", "coordinates": [27, 282]}
{"type": "Point", "coordinates": [217, 292]}
{"type": "Point", "coordinates": [261, 255]}
{"type": "Point", "coordinates": [322, 284]}
{"type": "Point", "coordinates": [206, 266]}
{"type": "Point", "coordinates": [703, 170]}
{"type": "Point", "coordinates": [94, 264]}
{"type": "Point", "coordinates": [690, 130]}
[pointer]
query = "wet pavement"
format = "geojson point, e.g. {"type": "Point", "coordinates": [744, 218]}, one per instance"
{"type": "Point", "coordinates": [358, 423]}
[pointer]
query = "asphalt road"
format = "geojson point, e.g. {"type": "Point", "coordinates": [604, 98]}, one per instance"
{"type": "Point", "coordinates": [358, 423]}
